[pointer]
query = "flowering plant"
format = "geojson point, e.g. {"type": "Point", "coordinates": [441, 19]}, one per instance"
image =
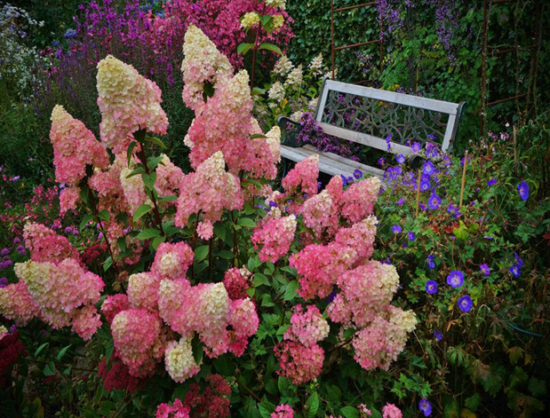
{"type": "Point", "coordinates": [216, 293]}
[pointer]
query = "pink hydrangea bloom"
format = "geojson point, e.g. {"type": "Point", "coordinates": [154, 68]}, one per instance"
{"type": "Point", "coordinates": [143, 291]}
{"type": "Point", "coordinates": [169, 178]}
{"type": "Point", "coordinates": [134, 189]}
{"type": "Point", "coordinates": [68, 199]}
{"type": "Point", "coordinates": [74, 147]}
{"type": "Point", "coordinates": [179, 361]}
{"type": "Point", "coordinates": [359, 236]}
{"type": "Point", "coordinates": [171, 298]}
{"type": "Point", "coordinates": [275, 235]}
{"type": "Point", "coordinates": [208, 191]}
{"type": "Point", "coordinates": [205, 230]}
{"type": "Point", "coordinates": [237, 282]}
{"type": "Point", "coordinates": [172, 260]}
{"type": "Point", "coordinates": [283, 411]}
{"type": "Point", "coordinates": [136, 334]}
{"type": "Point", "coordinates": [303, 177]}
{"type": "Point", "coordinates": [45, 245]}
{"type": "Point", "coordinates": [244, 321]}
{"type": "Point", "coordinates": [86, 322]}
{"type": "Point", "coordinates": [108, 186]}
{"type": "Point", "coordinates": [114, 304]}
{"type": "Point", "coordinates": [367, 290]}
{"type": "Point", "coordinates": [60, 289]}
{"type": "Point", "coordinates": [17, 304]}
{"type": "Point", "coordinates": [359, 199]}
{"type": "Point", "coordinates": [203, 63]}
{"type": "Point", "coordinates": [299, 364]}
{"type": "Point", "coordinates": [128, 102]}
{"type": "Point", "coordinates": [391, 411]}
{"type": "Point", "coordinates": [320, 266]}
{"type": "Point", "coordinates": [177, 410]}
{"type": "Point", "coordinates": [308, 327]}
{"type": "Point", "coordinates": [316, 212]}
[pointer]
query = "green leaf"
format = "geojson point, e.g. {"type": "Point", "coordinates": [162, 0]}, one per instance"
{"type": "Point", "coordinates": [142, 210]}
{"type": "Point", "coordinates": [266, 409]}
{"type": "Point", "coordinates": [49, 369]}
{"type": "Point", "coordinates": [168, 198]}
{"type": "Point", "coordinates": [129, 152]}
{"type": "Point", "coordinates": [109, 350]}
{"type": "Point", "coordinates": [208, 91]}
{"type": "Point", "coordinates": [149, 180]}
{"type": "Point", "coordinates": [246, 222]}
{"type": "Point", "coordinates": [290, 292]}
{"type": "Point", "coordinates": [272, 48]}
{"type": "Point", "coordinates": [107, 263]}
{"type": "Point", "coordinates": [350, 412]}
{"type": "Point", "coordinates": [349, 332]}
{"type": "Point", "coordinates": [260, 279]}
{"type": "Point", "coordinates": [155, 141]}
{"type": "Point", "coordinates": [267, 23]}
{"type": "Point", "coordinates": [148, 234]}
{"type": "Point", "coordinates": [39, 349]}
{"type": "Point", "coordinates": [256, 136]}
{"type": "Point", "coordinates": [201, 253]}
{"type": "Point", "coordinates": [256, 91]}
{"type": "Point", "coordinates": [219, 230]}
{"type": "Point", "coordinates": [225, 254]}
{"type": "Point", "coordinates": [198, 352]}
{"type": "Point", "coordinates": [282, 384]}
{"type": "Point", "coordinates": [473, 402]}
{"type": "Point", "coordinates": [62, 352]}
{"type": "Point", "coordinates": [104, 215]}
{"type": "Point", "coordinates": [85, 220]}
{"type": "Point", "coordinates": [312, 404]}
{"type": "Point", "coordinates": [157, 241]}
{"type": "Point", "coordinates": [136, 171]}
{"type": "Point", "coordinates": [154, 162]}
{"type": "Point", "coordinates": [244, 48]}
{"type": "Point", "coordinates": [84, 193]}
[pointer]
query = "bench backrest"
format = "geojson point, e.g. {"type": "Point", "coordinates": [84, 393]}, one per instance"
{"type": "Point", "coordinates": [367, 116]}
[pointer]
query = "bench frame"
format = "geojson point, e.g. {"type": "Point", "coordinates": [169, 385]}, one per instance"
{"type": "Point", "coordinates": [387, 103]}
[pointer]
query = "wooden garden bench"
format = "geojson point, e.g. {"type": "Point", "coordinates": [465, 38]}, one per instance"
{"type": "Point", "coordinates": [367, 116]}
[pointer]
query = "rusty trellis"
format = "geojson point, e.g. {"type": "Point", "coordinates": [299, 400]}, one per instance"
{"type": "Point", "coordinates": [534, 47]}
{"type": "Point", "coordinates": [333, 11]}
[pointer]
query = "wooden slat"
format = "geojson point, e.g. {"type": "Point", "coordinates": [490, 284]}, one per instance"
{"type": "Point", "coordinates": [342, 160]}
{"type": "Point", "coordinates": [449, 132]}
{"type": "Point", "coordinates": [365, 139]}
{"type": "Point", "coordinates": [393, 97]}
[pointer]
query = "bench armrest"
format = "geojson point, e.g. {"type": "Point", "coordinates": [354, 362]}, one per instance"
{"type": "Point", "coordinates": [289, 131]}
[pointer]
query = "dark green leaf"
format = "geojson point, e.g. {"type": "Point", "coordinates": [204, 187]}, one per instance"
{"type": "Point", "coordinates": [85, 220]}
{"type": "Point", "coordinates": [129, 151]}
{"type": "Point", "coordinates": [272, 48]}
{"type": "Point", "coordinates": [104, 215]}
{"type": "Point", "coordinates": [290, 292]}
{"type": "Point", "coordinates": [142, 210]}
{"type": "Point", "coordinates": [349, 412]}
{"type": "Point", "coordinates": [246, 222]}
{"type": "Point", "coordinates": [62, 352]}
{"type": "Point", "coordinates": [225, 254]}
{"type": "Point", "coordinates": [155, 141]}
{"type": "Point", "coordinates": [39, 349]}
{"type": "Point", "coordinates": [260, 279]}
{"type": "Point", "coordinates": [148, 234]}
{"type": "Point", "coordinates": [108, 263]}
{"type": "Point", "coordinates": [201, 253]}
{"type": "Point", "coordinates": [49, 369]}
{"type": "Point", "coordinates": [266, 409]}
{"type": "Point", "coordinates": [312, 405]}
{"type": "Point", "coordinates": [149, 180]}
{"type": "Point", "coordinates": [198, 351]}
{"type": "Point", "coordinates": [244, 48]}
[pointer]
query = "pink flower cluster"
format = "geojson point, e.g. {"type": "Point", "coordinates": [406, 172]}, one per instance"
{"type": "Point", "coordinates": [391, 411]}
{"type": "Point", "coordinates": [299, 364]}
{"type": "Point", "coordinates": [16, 304]}
{"type": "Point", "coordinates": [208, 191]}
{"type": "Point", "coordinates": [275, 235]}
{"type": "Point", "coordinates": [128, 102]}
{"type": "Point", "coordinates": [303, 177]}
{"type": "Point", "coordinates": [283, 411]}
{"type": "Point", "coordinates": [237, 282]}
{"type": "Point", "coordinates": [307, 327]}
{"type": "Point", "coordinates": [74, 147]}
{"type": "Point", "coordinates": [176, 410]}
{"type": "Point", "coordinates": [45, 245]}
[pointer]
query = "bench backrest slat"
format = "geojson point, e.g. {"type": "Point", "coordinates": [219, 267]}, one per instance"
{"type": "Point", "coordinates": [366, 116]}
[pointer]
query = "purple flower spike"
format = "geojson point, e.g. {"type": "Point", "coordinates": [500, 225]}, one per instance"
{"type": "Point", "coordinates": [396, 229]}
{"type": "Point", "coordinates": [485, 269]}
{"type": "Point", "coordinates": [426, 407]}
{"type": "Point", "coordinates": [465, 303]}
{"type": "Point", "coordinates": [431, 287]}
{"type": "Point", "coordinates": [4, 252]}
{"type": "Point", "coordinates": [455, 278]}
{"type": "Point", "coordinates": [523, 190]}
{"type": "Point", "coordinates": [438, 335]}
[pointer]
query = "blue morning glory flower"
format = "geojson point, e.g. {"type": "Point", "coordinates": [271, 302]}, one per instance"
{"type": "Point", "coordinates": [515, 270]}
{"type": "Point", "coordinates": [400, 159]}
{"type": "Point", "coordinates": [523, 190]}
{"type": "Point", "coordinates": [411, 236]}
{"type": "Point", "coordinates": [430, 261]}
{"type": "Point", "coordinates": [428, 168]}
{"type": "Point", "coordinates": [431, 287]}
{"type": "Point", "coordinates": [455, 278]}
{"type": "Point", "coordinates": [425, 406]}
{"type": "Point", "coordinates": [396, 229]}
{"type": "Point", "coordinates": [434, 201]}
{"type": "Point", "coordinates": [485, 269]}
{"type": "Point", "coordinates": [438, 335]}
{"type": "Point", "coordinates": [358, 174]}
{"type": "Point", "coordinates": [416, 147]}
{"type": "Point", "coordinates": [465, 303]}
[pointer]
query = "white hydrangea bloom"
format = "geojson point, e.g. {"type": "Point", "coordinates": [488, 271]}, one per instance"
{"type": "Point", "coordinates": [296, 77]}
{"type": "Point", "coordinates": [276, 92]}
{"type": "Point", "coordinates": [249, 20]}
{"type": "Point", "coordinates": [316, 66]}
{"type": "Point", "coordinates": [179, 361]}
{"type": "Point", "coordinates": [283, 66]}
{"type": "Point", "coordinates": [276, 3]}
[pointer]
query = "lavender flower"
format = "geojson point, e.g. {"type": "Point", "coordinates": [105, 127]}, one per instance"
{"type": "Point", "coordinates": [428, 168]}
{"type": "Point", "coordinates": [411, 236]}
{"type": "Point", "coordinates": [416, 147]}
{"type": "Point", "coordinates": [515, 270]}
{"type": "Point", "coordinates": [400, 159]}
{"type": "Point", "coordinates": [492, 182]}
{"type": "Point", "coordinates": [430, 261]}
{"type": "Point", "coordinates": [381, 162]}
{"type": "Point", "coordinates": [523, 190]}
{"type": "Point", "coordinates": [388, 143]}
{"type": "Point", "coordinates": [401, 201]}
{"type": "Point", "coordinates": [425, 406]}
{"type": "Point", "coordinates": [434, 201]}
{"type": "Point", "coordinates": [465, 303]}
{"type": "Point", "coordinates": [438, 335]}
{"type": "Point", "coordinates": [396, 229]}
{"type": "Point", "coordinates": [453, 210]}
{"type": "Point", "coordinates": [4, 252]}
{"type": "Point", "coordinates": [455, 278]}
{"type": "Point", "coordinates": [425, 185]}
{"type": "Point", "coordinates": [431, 287]}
